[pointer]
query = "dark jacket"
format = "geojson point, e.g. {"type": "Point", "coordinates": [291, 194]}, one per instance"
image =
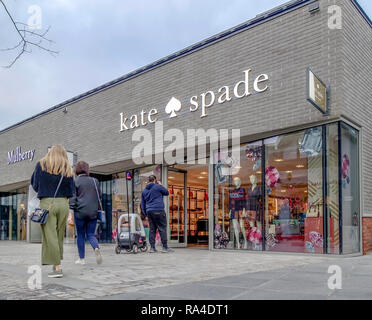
{"type": "Point", "coordinates": [85, 201]}
{"type": "Point", "coordinates": [152, 198]}
{"type": "Point", "coordinates": [45, 184]}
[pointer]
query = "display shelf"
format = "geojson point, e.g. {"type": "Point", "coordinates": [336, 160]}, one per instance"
{"type": "Point", "coordinates": [197, 208]}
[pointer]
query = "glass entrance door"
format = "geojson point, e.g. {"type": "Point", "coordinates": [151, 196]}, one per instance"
{"type": "Point", "coordinates": [177, 226]}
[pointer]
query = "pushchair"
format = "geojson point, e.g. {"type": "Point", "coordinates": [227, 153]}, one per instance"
{"type": "Point", "coordinates": [131, 234]}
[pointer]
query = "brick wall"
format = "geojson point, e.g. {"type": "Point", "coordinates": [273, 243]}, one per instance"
{"type": "Point", "coordinates": [282, 47]}
{"type": "Point", "coordinates": [367, 235]}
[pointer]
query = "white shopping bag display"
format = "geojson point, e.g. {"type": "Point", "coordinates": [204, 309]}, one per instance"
{"type": "Point", "coordinates": [33, 201]}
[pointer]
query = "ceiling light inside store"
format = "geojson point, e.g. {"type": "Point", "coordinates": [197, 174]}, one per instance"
{"type": "Point", "coordinates": [283, 191]}
{"type": "Point", "coordinates": [201, 177]}
{"type": "Point", "coordinates": [170, 177]}
{"type": "Point", "coordinates": [289, 171]}
{"type": "Point", "coordinates": [204, 172]}
{"type": "Point", "coordinates": [300, 166]}
{"type": "Point", "coordinates": [279, 160]}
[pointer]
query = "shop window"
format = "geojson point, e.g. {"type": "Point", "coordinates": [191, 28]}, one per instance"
{"type": "Point", "coordinates": [333, 219]}
{"type": "Point", "coordinates": [140, 179]}
{"type": "Point", "coordinates": [294, 198]}
{"type": "Point", "coordinates": [349, 168]}
{"type": "Point", "coordinates": [13, 215]}
{"type": "Point", "coordinates": [238, 199]}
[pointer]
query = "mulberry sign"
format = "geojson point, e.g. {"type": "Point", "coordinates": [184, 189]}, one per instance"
{"type": "Point", "coordinates": [17, 155]}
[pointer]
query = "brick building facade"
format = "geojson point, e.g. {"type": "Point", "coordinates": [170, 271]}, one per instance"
{"type": "Point", "coordinates": [281, 44]}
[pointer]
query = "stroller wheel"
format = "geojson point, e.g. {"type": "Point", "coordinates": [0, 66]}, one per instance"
{"type": "Point", "coordinates": [144, 248]}
{"type": "Point", "coordinates": [135, 249]}
{"type": "Point", "coordinates": [117, 250]}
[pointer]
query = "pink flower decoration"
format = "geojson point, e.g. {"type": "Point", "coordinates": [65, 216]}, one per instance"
{"type": "Point", "coordinates": [272, 176]}
{"type": "Point", "coordinates": [316, 239]}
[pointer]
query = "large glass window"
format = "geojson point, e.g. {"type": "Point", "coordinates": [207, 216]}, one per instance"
{"type": "Point", "coordinates": [310, 190]}
{"type": "Point", "coordinates": [333, 219]}
{"type": "Point", "coordinates": [121, 193]}
{"type": "Point", "coordinates": [238, 199]}
{"type": "Point", "coordinates": [349, 167]}
{"type": "Point", "coordinates": [13, 215]}
{"type": "Point", "coordinates": [140, 179]}
{"type": "Point", "coordinates": [294, 198]}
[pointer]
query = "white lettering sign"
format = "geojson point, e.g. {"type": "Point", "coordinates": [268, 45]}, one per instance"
{"type": "Point", "coordinates": [201, 102]}
{"type": "Point", "coordinates": [17, 155]}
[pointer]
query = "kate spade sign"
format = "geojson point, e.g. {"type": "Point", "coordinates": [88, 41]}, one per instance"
{"type": "Point", "coordinates": [317, 93]}
{"type": "Point", "coordinates": [17, 155]}
{"type": "Point", "coordinates": [202, 102]}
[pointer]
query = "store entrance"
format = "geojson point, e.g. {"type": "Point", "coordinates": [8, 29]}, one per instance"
{"type": "Point", "coordinates": [188, 205]}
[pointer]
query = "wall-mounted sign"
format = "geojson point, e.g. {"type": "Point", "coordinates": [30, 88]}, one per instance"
{"type": "Point", "coordinates": [201, 102]}
{"type": "Point", "coordinates": [317, 92]}
{"type": "Point", "coordinates": [17, 155]}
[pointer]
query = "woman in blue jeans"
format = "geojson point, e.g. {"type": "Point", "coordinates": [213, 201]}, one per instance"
{"type": "Point", "coordinates": [85, 205]}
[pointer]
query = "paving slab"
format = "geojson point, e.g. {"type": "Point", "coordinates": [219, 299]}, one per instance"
{"type": "Point", "coordinates": [188, 273]}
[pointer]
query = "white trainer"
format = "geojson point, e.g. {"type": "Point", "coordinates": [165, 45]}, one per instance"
{"type": "Point", "coordinates": [80, 261]}
{"type": "Point", "coordinates": [98, 256]}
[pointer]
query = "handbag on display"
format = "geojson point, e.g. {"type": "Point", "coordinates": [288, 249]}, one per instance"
{"type": "Point", "coordinates": [41, 215]}
{"type": "Point", "coordinates": [101, 213]}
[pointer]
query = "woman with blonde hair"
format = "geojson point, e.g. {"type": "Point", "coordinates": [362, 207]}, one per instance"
{"type": "Point", "coordinates": [53, 181]}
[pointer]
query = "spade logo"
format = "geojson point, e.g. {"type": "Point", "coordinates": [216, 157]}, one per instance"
{"type": "Point", "coordinates": [173, 106]}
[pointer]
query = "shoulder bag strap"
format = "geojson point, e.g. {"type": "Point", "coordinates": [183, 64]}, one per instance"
{"type": "Point", "coordinates": [55, 194]}
{"type": "Point", "coordinates": [99, 198]}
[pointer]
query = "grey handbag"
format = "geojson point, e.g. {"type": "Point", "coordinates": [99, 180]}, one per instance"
{"type": "Point", "coordinates": [41, 215]}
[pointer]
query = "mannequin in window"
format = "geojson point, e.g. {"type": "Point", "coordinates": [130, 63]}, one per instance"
{"type": "Point", "coordinates": [254, 200]}
{"type": "Point", "coordinates": [254, 203]}
{"type": "Point", "coordinates": [237, 205]}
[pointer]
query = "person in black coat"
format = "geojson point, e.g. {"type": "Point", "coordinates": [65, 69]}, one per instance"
{"type": "Point", "coordinates": [50, 171]}
{"type": "Point", "coordinates": [85, 204]}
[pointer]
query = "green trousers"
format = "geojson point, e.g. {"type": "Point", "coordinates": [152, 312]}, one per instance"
{"type": "Point", "coordinates": [53, 231]}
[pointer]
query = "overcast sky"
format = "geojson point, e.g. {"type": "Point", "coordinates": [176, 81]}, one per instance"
{"type": "Point", "coordinates": [99, 41]}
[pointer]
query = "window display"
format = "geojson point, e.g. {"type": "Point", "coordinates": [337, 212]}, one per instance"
{"type": "Point", "coordinates": [349, 168]}
{"type": "Point", "coordinates": [294, 207]}
{"type": "Point", "coordinates": [238, 200]}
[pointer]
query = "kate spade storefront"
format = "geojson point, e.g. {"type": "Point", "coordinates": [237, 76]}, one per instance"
{"type": "Point", "coordinates": [297, 192]}
{"type": "Point", "coordinates": [302, 110]}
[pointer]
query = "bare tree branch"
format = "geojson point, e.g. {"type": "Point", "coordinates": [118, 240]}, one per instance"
{"type": "Point", "coordinates": [25, 43]}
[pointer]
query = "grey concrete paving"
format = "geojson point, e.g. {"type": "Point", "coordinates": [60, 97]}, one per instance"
{"type": "Point", "coordinates": [184, 274]}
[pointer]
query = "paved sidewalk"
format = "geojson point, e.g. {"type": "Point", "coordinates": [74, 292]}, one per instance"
{"type": "Point", "coordinates": [184, 274]}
